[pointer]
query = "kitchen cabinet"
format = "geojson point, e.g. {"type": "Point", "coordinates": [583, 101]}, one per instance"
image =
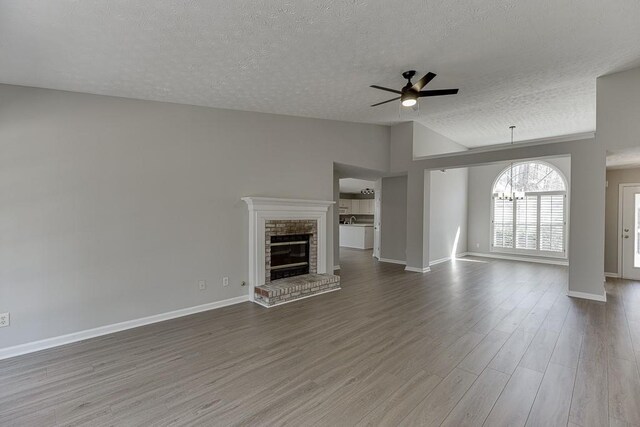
{"type": "Point", "coordinates": [367, 206]}
{"type": "Point", "coordinates": [356, 206]}
{"type": "Point", "coordinates": [344, 206]}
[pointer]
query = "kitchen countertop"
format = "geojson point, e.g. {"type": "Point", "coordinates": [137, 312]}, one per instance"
{"type": "Point", "coordinates": [358, 225]}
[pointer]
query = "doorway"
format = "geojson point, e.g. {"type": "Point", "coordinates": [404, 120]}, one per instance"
{"type": "Point", "coordinates": [630, 231]}
{"type": "Point", "coordinates": [358, 216]}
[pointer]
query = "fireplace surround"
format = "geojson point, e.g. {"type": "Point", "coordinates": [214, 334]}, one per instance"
{"type": "Point", "coordinates": [273, 220]}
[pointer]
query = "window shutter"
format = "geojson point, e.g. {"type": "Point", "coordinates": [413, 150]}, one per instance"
{"type": "Point", "coordinates": [527, 223]}
{"type": "Point", "coordinates": [502, 223]}
{"type": "Point", "coordinates": [552, 222]}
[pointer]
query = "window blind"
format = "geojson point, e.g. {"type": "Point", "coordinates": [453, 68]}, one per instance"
{"type": "Point", "coordinates": [527, 223]}
{"type": "Point", "coordinates": [552, 223]}
{"type": "Point", "coordinates": [502, 223]}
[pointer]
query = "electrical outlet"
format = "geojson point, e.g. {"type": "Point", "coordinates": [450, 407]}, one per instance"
{"type": "Point", "coordinates": [202, 284]}
{"type": "Point", "coordinates": [4, 320]}
{"type": "Point", "coordinates": [225, 281]}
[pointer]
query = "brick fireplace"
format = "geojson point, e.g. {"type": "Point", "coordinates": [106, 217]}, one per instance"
{"type": "Point", "coordinates": [287, 250]}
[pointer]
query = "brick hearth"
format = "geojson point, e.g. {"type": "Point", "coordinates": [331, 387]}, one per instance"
{"type": "Point", "coordinates": [297, 287]}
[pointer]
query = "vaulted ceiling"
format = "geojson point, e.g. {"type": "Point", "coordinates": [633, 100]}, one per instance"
{"type": "Point", "coordinates": [533, 64]}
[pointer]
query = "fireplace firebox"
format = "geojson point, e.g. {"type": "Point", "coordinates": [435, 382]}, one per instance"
{"type": "Point", "coordinates": [289, 255]}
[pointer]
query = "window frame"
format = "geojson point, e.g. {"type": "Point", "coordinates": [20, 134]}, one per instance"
{"type": "Point", "coordinates": [531, 252]}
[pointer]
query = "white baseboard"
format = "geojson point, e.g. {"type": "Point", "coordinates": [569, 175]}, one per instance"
{"type": "Point", "coordinates": [44, 344]}
{"type": "Point", "coordinates": [336, 267]}
{"type": "Point", "coordinates": [518, 258]}
{"type": "Point", "coordinates": [417, 270]}
{"type": "Point", "coordinates": [439, 261]}
{"type": "Point", "coordinates": [584, 295]}
{"type": "Point", "coordinates": [613, 275]}
{"type": "Point", "coordinates": [392, 261]}
{"type": "Point", "coordinates": [445, 259]}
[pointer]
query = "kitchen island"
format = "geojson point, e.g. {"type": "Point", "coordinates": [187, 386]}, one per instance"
{"type": "Point", "coordinates": [359, 236]}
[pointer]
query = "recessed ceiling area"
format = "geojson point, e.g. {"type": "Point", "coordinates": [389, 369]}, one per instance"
{"type": "Point", "coordinates": [517, 63]}
{"type": "Point", "coordinates": [624, 159]}
{"type": "Point", "coordinates": [353, 185]}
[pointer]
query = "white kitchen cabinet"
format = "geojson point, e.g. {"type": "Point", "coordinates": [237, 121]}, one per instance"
{"type": "Point", "coordinates": [355, 206]}
{"type": "Point", "coordinates": [345, 206]}
{"type": "Point", "coordinates": [367, 206]}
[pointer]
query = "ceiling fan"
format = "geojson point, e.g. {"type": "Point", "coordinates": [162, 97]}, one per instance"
{"type": "Point", "coordinates": [411, 92]}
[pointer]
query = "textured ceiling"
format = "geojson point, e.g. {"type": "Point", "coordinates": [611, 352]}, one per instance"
{"type": "Point", "coordinates": [529, 63]}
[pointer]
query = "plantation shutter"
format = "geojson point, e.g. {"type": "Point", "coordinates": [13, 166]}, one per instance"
{"type": "Point", "coordinates": [502, 223]}
{"type": "Point", "coordinates": [552, 222]}
{"type": "Point", "coordinates": [527, 223]}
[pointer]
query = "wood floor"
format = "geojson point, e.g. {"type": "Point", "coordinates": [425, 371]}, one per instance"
{"type": "Point", "coordinates": [471, 343]}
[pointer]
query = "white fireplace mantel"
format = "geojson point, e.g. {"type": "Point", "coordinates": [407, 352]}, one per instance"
{"type": "Point", "coordinates": [262, 209]}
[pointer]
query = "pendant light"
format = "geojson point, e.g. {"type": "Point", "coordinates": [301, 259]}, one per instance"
{"type": "Point", "coordinates": [512, 195]}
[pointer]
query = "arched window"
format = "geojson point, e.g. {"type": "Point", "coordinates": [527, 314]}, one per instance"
{"type": "Point", "coordinates": [528, 210]}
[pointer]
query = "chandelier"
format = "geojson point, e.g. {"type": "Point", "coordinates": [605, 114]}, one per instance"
{"type": "Point", "coordinates": [512, 195]}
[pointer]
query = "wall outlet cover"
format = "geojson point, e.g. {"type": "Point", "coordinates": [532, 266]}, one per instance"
{"type": "Point", "coordinates": [4, 320]}
{"type": "Point", "coordinates": [225, 281]}
{"type": "Point", "coordinates": [202, 284]}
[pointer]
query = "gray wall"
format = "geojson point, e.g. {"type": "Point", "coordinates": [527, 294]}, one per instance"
{"type": "Point", "coordinates": [481, 179]}
{"type": "Point", "coordinates": [112, 209]}
{"type": "Point", "coordinates": [393, 233]}
{"type": "Point", "coordinates": [424, 142]}
{"type": "Point", "coordinates": [618, 110]}
{"type": "Point", "coordinates": [448, 213]}
{"type": "Point", "coordinates": [615, 177]}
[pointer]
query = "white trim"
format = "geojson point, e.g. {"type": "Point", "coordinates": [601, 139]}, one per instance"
{"type": "Point", "coordinates": [508, 145]}
{"type": "Point", "coordinates": [392, 261]}
{"type": "Point", "coordinates": [276, 204]}
{"type": "Point", "coordinates": [336, 267]}
{"type": "Point", "coordinates": [297, 299]}
{"type": "Point", "coordinates": [518, 258]}
{"type": "Point", "coordinates": [612, 275]}
{"type": "Point", "coordinates": [262, 209]}
{"type": "Point", "coordinates": [44, 344]}
{"type": "Point", "coordinates": [445, 259]}
{"type": "Point", "coordinates": [417, 270]}
{"type": "Point", "coordinates": [439, 261]}
{"type": "Point", "coordinates": [538, 194]}
{"type": "Point", "coordinates": [584, 295]}
{"type": "Point", "coordinates": [620, 226]}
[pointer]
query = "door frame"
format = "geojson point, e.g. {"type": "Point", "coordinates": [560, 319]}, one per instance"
{"type": "Point", "coordinates": [621, 188]}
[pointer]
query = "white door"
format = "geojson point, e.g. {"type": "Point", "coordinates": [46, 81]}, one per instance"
{"type": "Point", "coordinates": [631, 233]}
{"type": "Point", "coordinates": [376, 223]}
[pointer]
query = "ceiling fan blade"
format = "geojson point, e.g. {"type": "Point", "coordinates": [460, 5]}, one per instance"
{"type": "Point", "coordinates": [438, 92]}
{"type": "Point", "coordinates": [384, 102]}
{"type": "Point", "coordinates": [387, 89]}
{"type": "Point", "coordinates": [423, 81]}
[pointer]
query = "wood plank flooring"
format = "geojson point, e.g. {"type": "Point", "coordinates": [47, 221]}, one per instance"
{"type": "Point", "coordinates": [475, 342]}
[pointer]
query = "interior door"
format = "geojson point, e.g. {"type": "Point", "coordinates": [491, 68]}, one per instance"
{"type": "Point", "coordinates": [376, 222]}
{"type": "Point", "coordinates": [631, 233]}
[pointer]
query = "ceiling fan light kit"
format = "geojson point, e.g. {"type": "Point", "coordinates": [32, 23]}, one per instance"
{"type": "Point", "coordinates": [411, 92]}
